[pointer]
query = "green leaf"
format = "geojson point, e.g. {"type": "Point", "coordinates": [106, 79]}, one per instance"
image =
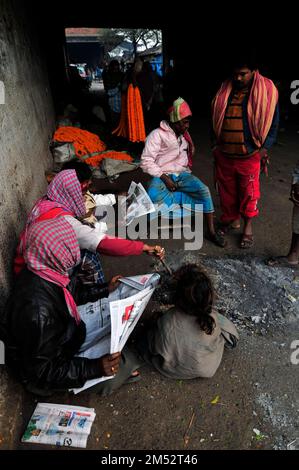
{"type": "Point", "coordinates": [216, 400]}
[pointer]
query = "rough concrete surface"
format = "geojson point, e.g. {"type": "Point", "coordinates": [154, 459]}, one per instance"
{"type": "Point", "coordinates": [26, 126]}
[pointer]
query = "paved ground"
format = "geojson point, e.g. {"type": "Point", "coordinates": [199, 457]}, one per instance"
{"type": "Point", "coordinates": [256, 384]}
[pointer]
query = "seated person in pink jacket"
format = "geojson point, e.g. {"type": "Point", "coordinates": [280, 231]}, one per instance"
{"type": "Point", "coordinates": [167, 157]}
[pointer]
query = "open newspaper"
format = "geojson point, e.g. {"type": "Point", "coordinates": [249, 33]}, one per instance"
{"type": "Point", "coordinates": [137, 203]}
{"type": "Point", "coordinates": [140, 282]}
{"type": "Point", "coordinates": [60, 425]}
{"type": "Point", "coordinates": [124, 314]}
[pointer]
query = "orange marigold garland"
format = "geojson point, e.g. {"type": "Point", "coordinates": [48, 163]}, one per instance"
{"type": "Point", "coordinates": [96, 160]}
{"type": "Point", "coordinates": [84, 142]}
{"type": "Point", "coordinates": [131, 125]}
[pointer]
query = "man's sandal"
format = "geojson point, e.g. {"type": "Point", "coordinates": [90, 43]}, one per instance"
{"type": "Point", "coordinates": [246, 242]}
{"type": "Point", "coordinates": [133, 378]}
{"type": "Point", "coordinates": [218, 239]}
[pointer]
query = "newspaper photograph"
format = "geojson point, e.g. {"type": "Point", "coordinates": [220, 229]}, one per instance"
{"type": "Point", "coordinates": [60, 425]}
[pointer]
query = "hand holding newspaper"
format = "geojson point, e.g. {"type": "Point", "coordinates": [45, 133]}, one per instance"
{"type": "Point", "coordinates": [124, 314]}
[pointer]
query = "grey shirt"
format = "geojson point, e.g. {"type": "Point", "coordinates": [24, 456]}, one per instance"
{"type": "Point", "coordinates": [179, 349]}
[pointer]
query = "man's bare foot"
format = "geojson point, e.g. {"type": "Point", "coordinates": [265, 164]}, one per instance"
{"type": "Point", "coordinates": [134, 377]}
{"type": "Point", "coordinates": [226, 228]}
{"type": "Point", "coordinates": [293, 258]}
{"type": "Point", "coordinates": [282, 262]}
{"type": "Point", "coordinates": [236, 224]}
{"type": "Point", "coordinates": [135, 373]}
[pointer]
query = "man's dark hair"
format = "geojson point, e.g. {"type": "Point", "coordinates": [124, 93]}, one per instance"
{"type": "Point", "coordinates": [113, 63]}
{"type": "Point", "coordinates": [83, 171]}
{"type": "Point", "coordinates": [244, 60]}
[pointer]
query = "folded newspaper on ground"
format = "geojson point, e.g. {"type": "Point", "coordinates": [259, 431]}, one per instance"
{"type": "Point", "coordinates": [137, 203]}
{"type": "Point", "coordinates": [124, 314]}
{"type": "Point", "coordinates": [60, 425]}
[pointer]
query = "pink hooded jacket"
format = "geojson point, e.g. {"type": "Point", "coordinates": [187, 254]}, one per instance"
{"type": "Point", "coordinates": [164, 152]}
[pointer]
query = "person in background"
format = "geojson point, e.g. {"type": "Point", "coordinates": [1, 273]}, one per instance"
{"type": "Point", "coordinates": [89, 75]}
{"type": "Point", "coordinates": [141, 75]}
{"type": "Point", "coordinates": [112, 81]}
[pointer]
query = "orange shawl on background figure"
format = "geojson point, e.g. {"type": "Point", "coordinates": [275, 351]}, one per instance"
{"type": "Point", "coordinates": [261, 106]}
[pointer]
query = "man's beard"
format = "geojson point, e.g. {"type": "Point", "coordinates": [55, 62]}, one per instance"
{"type": "Point", "coordinates": [239, 85]}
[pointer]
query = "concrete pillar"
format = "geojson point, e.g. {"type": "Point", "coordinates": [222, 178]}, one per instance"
{"type": "Point", "coordinates": [26, 127]}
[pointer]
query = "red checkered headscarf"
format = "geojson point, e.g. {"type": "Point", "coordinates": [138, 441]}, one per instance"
{"type": "Point", "coordinates": [52, 249]}
{"type": "Point", "coordinates": [65, 192]}
{"type": "Point", "coordinates": [63, 197]}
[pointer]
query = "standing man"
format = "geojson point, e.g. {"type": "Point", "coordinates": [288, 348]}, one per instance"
{"type": "Point", "coordinates": [245, 121]}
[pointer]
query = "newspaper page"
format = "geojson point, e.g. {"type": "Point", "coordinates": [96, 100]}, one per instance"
{"type": "Point", "coordinates": [124, 314]}
{"type": "Point", "coordinates": [60, 425]}
{"type": "Point", "coordinates": [140, 282]}
{"type": "Point", "coordinates": [137, 203]}
{"type": "Point", "coordinates": [99, 349]}
{"type": "Point", "coordinates": [101, 345]}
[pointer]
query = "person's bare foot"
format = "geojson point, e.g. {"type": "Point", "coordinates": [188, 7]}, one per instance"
{"type": "Point", "coordinates": [134, 377]}
{"type": "Point", "coordinates": [226, 228]}
{"type": "Point", "coordinates": [247, 236]}
{"type": "Point", "coordinates": [293, 258]}
{"type": "Point", "coordinates": [236, 224]}
{"type": "Point", "coordinates": [282, 262]}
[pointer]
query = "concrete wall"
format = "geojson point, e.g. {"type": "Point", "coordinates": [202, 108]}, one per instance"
{"type": "Point", "coordinates": [26, 126]}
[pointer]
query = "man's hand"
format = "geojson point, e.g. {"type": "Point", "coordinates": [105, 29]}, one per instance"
{"type": "Point", "coordinates": [156, 250]}
{"type": "Point", "coordinates": [114, 282]}
{"type": "Point", "coordinates": [265, 160]}
{"type": "Point", "coordinates": [109, 363]}
{"type": "Point", "coordinates": [170, 185]}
